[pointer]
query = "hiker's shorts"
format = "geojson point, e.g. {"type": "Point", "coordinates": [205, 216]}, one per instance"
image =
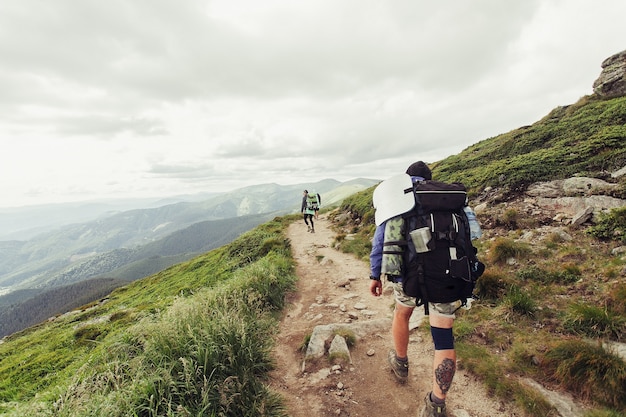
{"type": "Point", "coordinates": [442, 309]}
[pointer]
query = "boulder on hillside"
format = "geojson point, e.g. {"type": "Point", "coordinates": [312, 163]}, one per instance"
{"type": "Point", "coordinates": [612, 80]}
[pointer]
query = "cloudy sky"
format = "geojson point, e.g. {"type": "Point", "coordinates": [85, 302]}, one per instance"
{"type": "Point", "coordinates": [122, 98]}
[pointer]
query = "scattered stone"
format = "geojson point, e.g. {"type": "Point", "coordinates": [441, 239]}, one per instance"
{"type": "Point", "coordinates": [619, 173]}
{"type": "Point", "coordinates": [326, 262]}
{"type": "Point", "coordinates": [480, 208]}
{"type": "Point", "coordinates": [616, 347]}
{"type": "Point", "coordinates": [563, 403]}
{"type": "Point", "coordinates": [339, 348]}
{"type": "Point", "coordinates": [560, 217]}
{"type": "Point", "coordinates": [360, 306]}
{"type": "Point", "coordinates": [582, 216]}
{"type": "Point", "coordinates": [528, 236]}
{"type": "Point", "coordinates": [343, 308]}
{"type": "Point", "coordinates": [618, 250]}
{"type": "Point", "coordinates": [371, 352]}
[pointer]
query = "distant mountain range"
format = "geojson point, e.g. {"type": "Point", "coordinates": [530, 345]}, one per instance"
{"type": "Point", "coordinates": [95, 256]}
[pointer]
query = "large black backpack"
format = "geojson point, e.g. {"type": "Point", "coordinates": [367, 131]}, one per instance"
{"type": "Point", "coordinates": [439, 261]}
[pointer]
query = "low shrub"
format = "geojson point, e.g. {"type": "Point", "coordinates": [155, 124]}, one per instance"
{"type": "Point", "coordinates": [520, 302]}
{"type": "Point", "coordinates": [590, 371]}
{"type": "Point", "coordinates": [490, 286]}
{"type": "Point", "coordinates": [610, 226]}
{"type": "Point", "coordinates": [594, 321]}
{"type": "Point", "coordinates": [568, 274]}
{"type": "Point", "coordinates": [503, 249]}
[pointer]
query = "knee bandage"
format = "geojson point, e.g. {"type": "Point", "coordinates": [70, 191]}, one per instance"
{"type": "Point", "coordinates": [442, 338]}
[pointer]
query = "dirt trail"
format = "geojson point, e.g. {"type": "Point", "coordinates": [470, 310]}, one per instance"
{"type": "Point", "coordinates": [331, 284]}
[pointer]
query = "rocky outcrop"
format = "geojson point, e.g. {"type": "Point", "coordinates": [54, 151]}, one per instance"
{"type": "Point", "coordinates": [576, 198]}
{"type": "Point", "coordinates": [612, 80]}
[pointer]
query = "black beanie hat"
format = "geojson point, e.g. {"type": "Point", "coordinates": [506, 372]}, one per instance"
{"type": "Point", "coordinates": [419, 169]}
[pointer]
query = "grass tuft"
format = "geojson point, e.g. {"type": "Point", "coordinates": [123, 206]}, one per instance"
{"type": "Point", "coordinates": [590, 371]}
{"type": "Point", "coordinates": [593, 321]}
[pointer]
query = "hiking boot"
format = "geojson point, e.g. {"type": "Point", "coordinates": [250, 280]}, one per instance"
{"type": "Point", "coordinates": [400, 369]}
{"type": "Point", "coordinates": [308, 228]}
{"type": "Point", "coordinates": [432, 409]}
{"type": "Point", "coordinates": [312, 230]}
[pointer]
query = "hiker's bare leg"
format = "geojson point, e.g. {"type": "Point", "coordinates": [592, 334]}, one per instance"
{"type": "Point", "coordinates": [400, 329]}
{"type": "Point", "coordinates": [444, 362]}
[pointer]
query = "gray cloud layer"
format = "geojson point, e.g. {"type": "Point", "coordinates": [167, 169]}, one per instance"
{"type": "Point", "coordinates": [155, 96]}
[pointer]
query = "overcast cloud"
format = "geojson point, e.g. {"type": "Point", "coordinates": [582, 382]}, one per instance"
{"type": "Point", "coordinates": [122, 98]}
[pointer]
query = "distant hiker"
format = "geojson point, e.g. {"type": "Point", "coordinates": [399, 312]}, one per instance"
{"type": "Point", "coordinates": [422, 244]}
{"type": "Point", "coordinates": [308, 211]}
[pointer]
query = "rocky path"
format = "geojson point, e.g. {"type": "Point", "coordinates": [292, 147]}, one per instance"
{"type": "Point", "coordinates": [333, 289]}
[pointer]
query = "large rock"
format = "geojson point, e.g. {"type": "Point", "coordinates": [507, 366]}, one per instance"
{"type": "Point", "coordinates": [579, 198]}
{"type": "Point", "coordinates": [612, 80]}
{"type": "Point", "coordinates": [317, 346]}
{"type": "Point", "coordinates": [574, 186]}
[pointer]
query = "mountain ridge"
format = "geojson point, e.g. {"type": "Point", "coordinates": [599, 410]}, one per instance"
{"type": "Point", "coordinates": [136, 243]}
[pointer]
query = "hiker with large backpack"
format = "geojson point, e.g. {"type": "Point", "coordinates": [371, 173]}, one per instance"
{"type": "Point", "coordinates": [422, 244]}
{"type": "Point", "coordinates": [308, 209]}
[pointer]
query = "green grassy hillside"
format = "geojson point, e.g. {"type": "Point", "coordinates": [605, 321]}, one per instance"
{"type": "Point", "coordinates": [59, 289]}
{"type": "Point", "coordinates": [39, 307]}
{"type": "Point", "coordinates": [190, 340]}
{"type": "Point", "coordinates": [588, 138]}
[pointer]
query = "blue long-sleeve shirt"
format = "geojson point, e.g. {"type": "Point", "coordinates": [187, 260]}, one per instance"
{"type": "Point", "coordinates": [376, 255]}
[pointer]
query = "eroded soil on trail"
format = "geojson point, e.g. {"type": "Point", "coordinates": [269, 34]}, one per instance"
{"type": "Point", "coordinates": [333, 287]}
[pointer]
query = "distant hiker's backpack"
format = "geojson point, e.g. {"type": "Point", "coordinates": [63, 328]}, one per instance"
{"type": "Point", "coordinates": [439, 262]}
{"type": "Point", "coordinates": [311, 202]}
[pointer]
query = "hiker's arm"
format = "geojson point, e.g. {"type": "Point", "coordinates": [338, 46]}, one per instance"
{"type": "Point", "coordinates": [376, 257]}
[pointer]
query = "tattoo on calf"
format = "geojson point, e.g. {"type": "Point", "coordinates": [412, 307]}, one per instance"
{"type": "Point", "coordinates": [444, 374]}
